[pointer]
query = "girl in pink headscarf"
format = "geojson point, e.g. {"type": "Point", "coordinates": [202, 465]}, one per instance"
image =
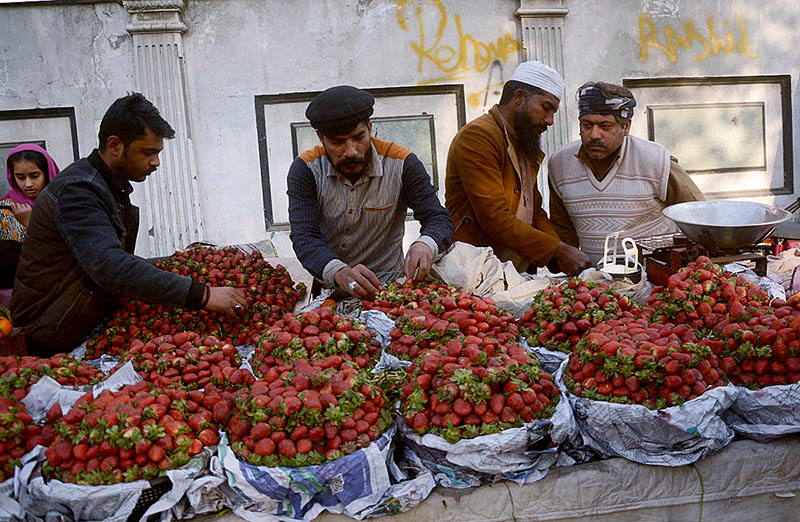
{"type": "Point", "coordinates": [29, 169]}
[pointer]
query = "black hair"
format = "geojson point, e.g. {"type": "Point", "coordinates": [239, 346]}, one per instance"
{"type": "Point", "coordinates": [127, 119]}
{"type": "Point", "coordinates": [32, 156]}
{"type": "Point", "coordinates": [513, 86]}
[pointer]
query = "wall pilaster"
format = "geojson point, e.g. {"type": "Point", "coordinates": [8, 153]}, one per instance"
{"type": "Point", "coordinates": [173, 216]}
{"type": "Point", "coordinates": [542, 39]}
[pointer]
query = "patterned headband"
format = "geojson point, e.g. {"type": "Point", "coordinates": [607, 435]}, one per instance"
{"type": "Point", "coordinates": [591, 100]}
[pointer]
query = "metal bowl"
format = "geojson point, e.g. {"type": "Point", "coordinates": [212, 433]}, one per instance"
{"type": "Point", "coordinates": [726, 225]}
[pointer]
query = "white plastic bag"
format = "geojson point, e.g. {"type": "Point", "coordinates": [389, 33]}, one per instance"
{"type": "Point", "coordinates": [477, 271]}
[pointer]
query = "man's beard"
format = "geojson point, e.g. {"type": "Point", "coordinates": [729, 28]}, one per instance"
{"type": "Point", "coordinates": [128, 173]}
{"type": "Point", "coordinates": [528, 133]}
{"type": "Point", "coordinates": [355, 167]}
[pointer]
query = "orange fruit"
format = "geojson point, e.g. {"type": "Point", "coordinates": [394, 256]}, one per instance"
{"type": "Point", "coordinates": [5, 326]}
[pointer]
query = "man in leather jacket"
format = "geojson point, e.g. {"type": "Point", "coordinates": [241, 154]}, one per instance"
{"type": "Point", "coordinates": [77, 258]}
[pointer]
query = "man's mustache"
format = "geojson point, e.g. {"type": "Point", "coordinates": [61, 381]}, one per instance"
{"type": "Point", "coordinates": [356, 161]}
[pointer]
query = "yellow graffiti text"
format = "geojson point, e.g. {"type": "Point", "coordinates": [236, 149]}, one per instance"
{"type": "Point", "coordinates": [710, 45]}
{"type": "Point", "coordinates": [468, 55]}
{"type": "Point", "coordinates": [478, 99]}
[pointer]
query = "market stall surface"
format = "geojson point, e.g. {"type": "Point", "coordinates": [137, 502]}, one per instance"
{"type": "Point", "coordinates": [746, 481]}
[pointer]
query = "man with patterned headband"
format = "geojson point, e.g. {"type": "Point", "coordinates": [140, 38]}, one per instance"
{"type": "Point", "coordinates": [491, 175]}
{"type": "Point", "coordinates": [609, 181]}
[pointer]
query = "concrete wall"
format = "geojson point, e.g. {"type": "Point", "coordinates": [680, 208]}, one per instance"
{"type": "Point", "coordinates": [60, 55]}
{"type": "Point", "coordinates": [236, 49]}
{"type": "Point", "coordinates": [80, 55]}
{"type": "Point", "coordinates": [628, 39]}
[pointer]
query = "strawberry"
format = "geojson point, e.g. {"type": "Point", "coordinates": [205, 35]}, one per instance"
{"type": "Point", "coordinates": [54, 413]}
{"type": "Point", "coordinates": [208, 437]}
{"type": "Point", "coordinates": [287, 448]}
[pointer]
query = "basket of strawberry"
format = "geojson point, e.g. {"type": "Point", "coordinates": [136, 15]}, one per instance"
{"type": "Point", "coordinates": [762, 356]}
{"type": "Point", "coordinates": [185, 359]}
{"type": "Point", "coordinates": [19, 373]}
{"type": "Point", "coordinates": [630, 361]}
{"type": "Point", "coordinates": [444, 318]}
{"type": "Point", "coordinates": [471, 408]}
{"type": "Point", "coordinates": [473, 387]}
{"type": "Point", "coordinates": [270, 293]}
{"type": "Point", "coordinates": [136, 433]}
{"type": "Point", "coordinates": [650, 392]}
{"type": "Point", "coordinates": [313, 335]}
{"type": "Point", "coordinates": [560, 316]}
{"type": "Point", "coordinates": [396, 297]}
{"type": "Point", "coordinates": [702, 295]}
{"type": "Point", "coordinates": [18, 435]}
{"type": "Point", "coordinates": [326, 416]}
{"type": "Point", "coordinates": [307, 412]}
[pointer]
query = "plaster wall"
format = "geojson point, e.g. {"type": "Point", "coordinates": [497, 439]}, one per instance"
{"type": "Point", "coordinates": [80, 55]}
{"type": "Point", "coordinates": [643, 39]}
{"type": "Point", "coordinates": [66, 56]}
{"type": "Point", "coordinates": [237, 49]}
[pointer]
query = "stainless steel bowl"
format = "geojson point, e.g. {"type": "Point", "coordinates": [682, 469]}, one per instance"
{"type": "Point", "coordinates": [726, 225]}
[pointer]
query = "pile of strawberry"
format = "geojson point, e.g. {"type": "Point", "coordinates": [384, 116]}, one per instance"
{"type": "Point", "coordinates": [396, 297]}
{"type": "Point", "coordinates": [761, 346]}
{"type": "Point", "coordinates": [19, 373]}
{"type": "Point", "coordinates": [307, 412]}
{"type": "Point", "coordinates": [631, 361]}
{"type": "Point", "coordinates": [314, 335]}
{"type": "Point", "coordinates": [18, 435]}
{"type": "Point", "coordinates": [444, 318]}
{"type": "Point", "coordinates": [560, 316]}
{"type": "Point", "coordinates": [185, 359]}
{"type": "Point", "coordinates": [270, 294]}
{"type": "Point", "coordinates": [702, 294]}
{"type": "Point", "coordinates": [475, 386]}
{"type": "Point", "coordinates": [137, 432]}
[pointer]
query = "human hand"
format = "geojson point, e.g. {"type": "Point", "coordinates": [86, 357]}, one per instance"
{"type": "Point", "coordinates": [226, 299]}
{"type": "Point", "coordinates": [22, 212]}
{"type": "Point", "coordinates": [419, 259]}
{"type": "Point", "coordinates": [571, 260]}
{"type": "Point", "coordinates": [358, 281]}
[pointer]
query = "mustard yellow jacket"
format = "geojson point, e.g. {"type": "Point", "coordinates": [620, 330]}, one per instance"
{"type": "Point", "coordinates": [482, 191]}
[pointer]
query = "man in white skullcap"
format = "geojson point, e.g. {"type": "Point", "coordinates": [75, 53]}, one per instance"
{"type": "Point", "coordinates": [491, 175]}
{"type": "Point", "coordinates": [609, 181]}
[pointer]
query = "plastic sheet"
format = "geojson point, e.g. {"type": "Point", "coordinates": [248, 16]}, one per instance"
{"type": "Point", "coordinates": [674, 436]}
{"type": "Point", "coordinates": [350, 485]}
{"type": "Point", "coordinates": [765, 414]}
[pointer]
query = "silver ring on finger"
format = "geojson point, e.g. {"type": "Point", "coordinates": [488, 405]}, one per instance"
{"type": "Point", "coordinates": [238, 307]}
{"type": "Point", "coordinates": [352, 286]}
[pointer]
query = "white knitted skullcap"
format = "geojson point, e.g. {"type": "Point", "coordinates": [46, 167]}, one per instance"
{"type": "Point", "coordinates": [537, 74]}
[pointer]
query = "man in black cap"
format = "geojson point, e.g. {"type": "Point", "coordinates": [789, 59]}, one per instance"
{"type": "Point", "coordinates": [348, 200]}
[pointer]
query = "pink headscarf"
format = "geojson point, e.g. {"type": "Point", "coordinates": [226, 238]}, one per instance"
{"type": "Point", "coordinates": [15, 193]}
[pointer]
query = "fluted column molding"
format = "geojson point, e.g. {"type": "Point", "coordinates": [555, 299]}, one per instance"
{"type": "Point", "coordinates": [542, 39]}
{"type": "Point", "coordinates": [173, 211]}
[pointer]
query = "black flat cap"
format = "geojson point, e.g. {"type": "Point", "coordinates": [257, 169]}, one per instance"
{"type": "Point", "coordinates": [339, 109]}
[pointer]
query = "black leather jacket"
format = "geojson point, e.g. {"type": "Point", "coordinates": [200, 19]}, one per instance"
{"type": "Point", "coordinates": [77, 259]}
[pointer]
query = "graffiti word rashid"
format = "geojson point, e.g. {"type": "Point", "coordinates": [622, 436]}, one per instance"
{"type": "Point", "coordinates": [468, 55]}
{"type": "Point", "coordinates": [710, 45]}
